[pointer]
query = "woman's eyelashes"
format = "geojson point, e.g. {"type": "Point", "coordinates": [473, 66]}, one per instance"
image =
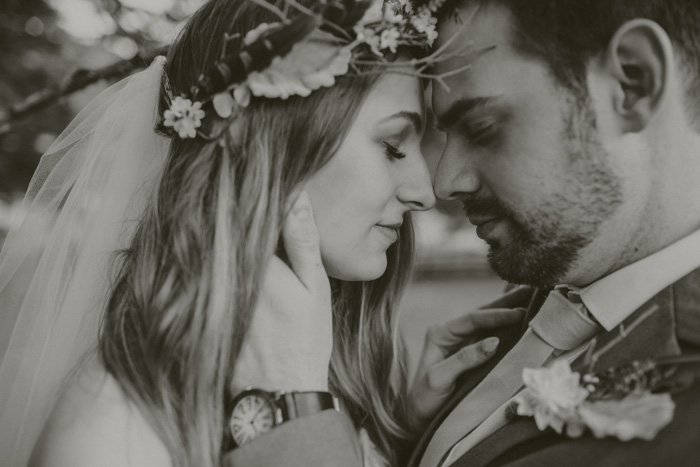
{"type": "Point", "coordinates": [393, 151]}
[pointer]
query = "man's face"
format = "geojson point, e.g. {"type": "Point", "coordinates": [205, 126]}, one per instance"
{"type": "Point", "coordinates": [522, 155]}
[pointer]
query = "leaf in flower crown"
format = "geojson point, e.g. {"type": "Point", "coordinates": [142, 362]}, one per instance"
{"type": "Point", "coordinates": [635, 416]}
{"type": "Point", "coordinates": [241, 94]}
{"type": "Point", "coordinates": [223, 104]}
{"type": "Point", "coordinates": [374, 13]}
{"type": "Point", "coordinates": [311, 64]}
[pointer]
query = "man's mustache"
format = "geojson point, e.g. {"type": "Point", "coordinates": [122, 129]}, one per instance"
{"type": "Point", "coordinates": [485, 206]}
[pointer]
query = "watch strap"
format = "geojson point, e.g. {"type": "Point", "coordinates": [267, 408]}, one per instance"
{"type": "Point", "coordinates": [300, 404]}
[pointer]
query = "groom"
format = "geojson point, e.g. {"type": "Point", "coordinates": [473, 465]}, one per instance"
{"type": "Point", "coordinates": [573, 142]}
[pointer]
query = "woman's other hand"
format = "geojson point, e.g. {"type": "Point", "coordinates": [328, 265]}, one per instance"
{"type": "Point", "coordinates": [450, 349]}
{"type": "Point", "coordinates": [289, 343]}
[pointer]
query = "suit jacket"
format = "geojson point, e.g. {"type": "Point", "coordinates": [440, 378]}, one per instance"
{"type": "Point", "coordinates": [671, 327]}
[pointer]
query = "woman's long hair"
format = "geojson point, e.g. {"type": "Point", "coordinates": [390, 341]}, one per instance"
{"type": "Point", "coordinates": [189, 282]}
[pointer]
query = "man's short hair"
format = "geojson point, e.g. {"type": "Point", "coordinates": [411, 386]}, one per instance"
{"type": "Point", "coordinates": [566, 33]}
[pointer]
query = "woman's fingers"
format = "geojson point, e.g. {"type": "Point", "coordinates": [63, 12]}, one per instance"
{"type": "Point", "coordinates": [302, 243]}
{"type": "Point", "coordinates": [442, 376]}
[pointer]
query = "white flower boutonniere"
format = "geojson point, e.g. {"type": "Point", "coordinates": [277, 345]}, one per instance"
{"type": "Point", "coordinates": [553, 396]}
{"type": "Point", "coordinates": [617, 403]}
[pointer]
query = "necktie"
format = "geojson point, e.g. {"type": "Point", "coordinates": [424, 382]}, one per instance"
{"type": "Point", "coordinates": [559, 325]}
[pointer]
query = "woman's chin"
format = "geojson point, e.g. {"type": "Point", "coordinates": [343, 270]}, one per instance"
{"type": "Point", "coordinates": [359, 270]}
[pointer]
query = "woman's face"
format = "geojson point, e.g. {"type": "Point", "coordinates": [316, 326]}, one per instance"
{"type": "Point", "coordinates": [359, 197]}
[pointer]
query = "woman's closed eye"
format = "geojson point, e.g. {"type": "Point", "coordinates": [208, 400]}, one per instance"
{"type": "Point", "coordinates": [393, 151]}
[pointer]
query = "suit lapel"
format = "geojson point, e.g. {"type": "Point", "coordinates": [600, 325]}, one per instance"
{"type": "Point", "coordinates": [650, 332]}
{"type": "Point", "coordinates": [508, 336]}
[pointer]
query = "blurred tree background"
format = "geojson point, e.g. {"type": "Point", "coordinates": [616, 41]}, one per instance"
{"type": "Point", "coordinates": [44, 42]}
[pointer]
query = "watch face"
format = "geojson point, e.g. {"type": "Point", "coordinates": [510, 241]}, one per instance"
{"type": "Point", "coordinates": [253, 415]}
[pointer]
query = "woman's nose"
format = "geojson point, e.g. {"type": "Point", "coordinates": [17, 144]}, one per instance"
{"type": "Point", "coordinates": [416, 190]}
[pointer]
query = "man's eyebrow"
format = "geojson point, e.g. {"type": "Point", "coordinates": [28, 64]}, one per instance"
{"type": "Point", "coordinates": [460, 108]}
{"type": "Point", "coordinates": [413, 117]}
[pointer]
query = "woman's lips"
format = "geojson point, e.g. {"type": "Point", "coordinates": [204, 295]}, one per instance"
{"type": "Point", "coordinates": [389, 232]}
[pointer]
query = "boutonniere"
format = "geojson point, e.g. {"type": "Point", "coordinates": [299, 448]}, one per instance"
{"type": "Point", "coordinates": [623, 402]}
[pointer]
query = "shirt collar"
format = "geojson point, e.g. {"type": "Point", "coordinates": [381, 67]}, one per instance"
{"type": "Point", "coordinates": [614, 297]}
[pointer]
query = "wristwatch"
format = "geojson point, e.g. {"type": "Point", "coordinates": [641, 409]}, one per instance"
{"type": "Point", "coordinates": [256, 412]}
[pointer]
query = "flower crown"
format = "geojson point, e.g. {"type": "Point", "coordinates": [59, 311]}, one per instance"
{"type": "Point", "coordinates": [298, 56]}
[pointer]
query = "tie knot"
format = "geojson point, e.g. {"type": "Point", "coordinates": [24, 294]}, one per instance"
{"type": "Point", "coordinates": [562, 323]}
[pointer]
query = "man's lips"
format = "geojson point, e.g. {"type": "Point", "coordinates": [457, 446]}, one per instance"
{"type": "Point", "coordinates": [484, 224]}
{"type": "Point", "coordinates": [484, 228]}
{"type": "Point", "coordinates": [480, 220]}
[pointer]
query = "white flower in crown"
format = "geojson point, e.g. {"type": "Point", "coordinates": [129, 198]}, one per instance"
{"type": "Point", "coordinates": [425, 22]}
{"type": "Point", "coordinates": [389, 39]}
{"type": "Point", "coordinates": [431, 34]}
{"type": "Point", "coordinates": [386, 25]}
{"type": "Point", "coordinates": [553, 395]}
{"type": "Point", "coordinates": [184, 117]}
{"type": "Point", "coordinates": [407, 5]}
{"type": "Point", "coordinates": [394, 14]}
{"type": "Point", "coordinates": [370, 37]}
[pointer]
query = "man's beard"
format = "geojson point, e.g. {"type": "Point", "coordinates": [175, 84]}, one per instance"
{"type": "Point", "coordinates": [544, 243]}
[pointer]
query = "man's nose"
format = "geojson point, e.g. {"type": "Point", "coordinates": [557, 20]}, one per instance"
{"type": "Point", "coordinates": [455, 174]}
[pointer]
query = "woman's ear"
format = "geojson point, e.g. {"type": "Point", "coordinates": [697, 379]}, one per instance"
{"type": "Point", "coordinates": [639, 59]}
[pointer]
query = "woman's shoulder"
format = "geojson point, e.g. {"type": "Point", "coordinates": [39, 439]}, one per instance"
{"type": "Point", "coordinates": [93, 423]}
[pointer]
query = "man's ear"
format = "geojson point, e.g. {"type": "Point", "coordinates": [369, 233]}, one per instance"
{"type": "Point", "coordinates": [639, 58]}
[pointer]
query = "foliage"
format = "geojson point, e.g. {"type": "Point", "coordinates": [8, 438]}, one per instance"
{"type": "Point", "coordinates": [40, 55]}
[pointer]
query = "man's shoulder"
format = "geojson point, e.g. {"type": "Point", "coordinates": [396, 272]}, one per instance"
{"type": "Point", "coordinates": [94, 423]}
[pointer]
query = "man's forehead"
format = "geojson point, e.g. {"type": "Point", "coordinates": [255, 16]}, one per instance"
{"type": "Point", "coordinates": [474, 48]}
{"type": "Point", "coordinates": [471, 28]}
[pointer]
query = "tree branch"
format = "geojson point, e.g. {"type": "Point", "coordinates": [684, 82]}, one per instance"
{"type": "Point", "coordinates": [80, 79]}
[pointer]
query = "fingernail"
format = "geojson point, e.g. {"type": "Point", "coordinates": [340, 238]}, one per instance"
{"type": "Point", "coordinates": [489, 345]}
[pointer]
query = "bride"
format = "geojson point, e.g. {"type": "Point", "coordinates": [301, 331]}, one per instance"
{"type": "Point", "coordinates": [214, 250]}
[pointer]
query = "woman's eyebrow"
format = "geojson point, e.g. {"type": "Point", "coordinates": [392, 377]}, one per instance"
{"type": "Point", "coordinates": [413, 117]}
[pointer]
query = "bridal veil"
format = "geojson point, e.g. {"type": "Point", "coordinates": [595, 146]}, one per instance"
{"type": "Point", "coordinates": [56, 266]}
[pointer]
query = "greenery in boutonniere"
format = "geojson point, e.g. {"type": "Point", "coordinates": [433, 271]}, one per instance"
{"type": "Point", "coordinates": [627, 401]}
{"type": "Point", "coordinates": [619, 402]}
